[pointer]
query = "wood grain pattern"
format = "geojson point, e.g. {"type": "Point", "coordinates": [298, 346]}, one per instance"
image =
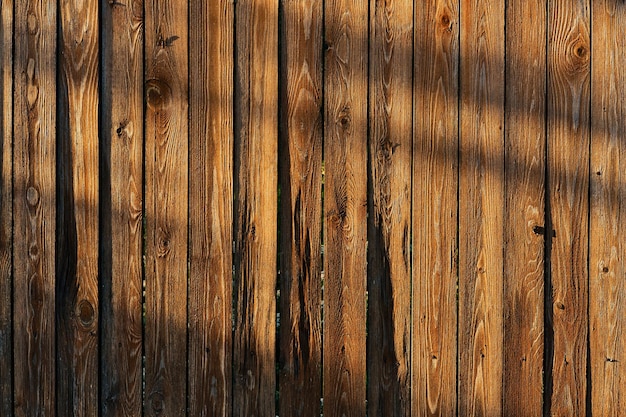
{"type": "Point", "coordinates": [345, 207]}
{"type": "Point", "coordinates": [300, 154]}
{"type": "Point", "coordinates": [435, 183]}
{"type": "Point", "coordinates": [255, 227]}
{"type": "Point", "coordinates": [607, 307]}
{"type": "Point", "coordinates": [34, 207]}
{"type": "Point", "coordinates": [524, 216]}
{"type": "Point", "coordinates": [210, 207]}
{"type": "Point", "coordinates": [481, 208]}
{"type": "Point", "coordinates": [121, 183]}
{"type": "Point", "coordinates": [166, 202]}
{"type": "Point", "coordinates": [389, 201]}
{"type": "Point", "coordinates": [568, 184]}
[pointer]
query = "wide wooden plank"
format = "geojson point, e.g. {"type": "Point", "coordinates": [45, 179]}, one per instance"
{"type": "Point", "coordinates": [211, 25]}
{"type": "Point", "coordinates": [6, 212]}
{"type": "Point", "coordinates": [34, 207]}
{"type": "Point", "coordinates": [524, 216]}
{"type": "Point", "coordinates": [121, 176]}
{"type": "Point", "coordinates": [389, 202]}
{"type": "Point", "coordinates": [568, 189]}
{"type": "Point", "coordinates": [345, 207]}
{"type": "Point", "coordinates": [166, 204]}
{"type": "Point", "coordinates": [300, 153]}
{"type": "Point", "coordinates": [607, 245]}
{"type": "Point", "coordinates": [255, 222]}
{"type": "Point", "coordinates": [435, 183]}
{"type": "Point", "coordinates": [481, 208]}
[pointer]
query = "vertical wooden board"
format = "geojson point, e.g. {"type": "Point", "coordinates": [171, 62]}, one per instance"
{"type": "Point", "coordinates": [256, 185]}
{"type": "Point", "coordinates": [34, 207]}
{"type": "Point", "coordinates": [524, 216]}
{"type": "Point", "coordinates": [389, 201]}
{"type": "Point", "coordinates": [435, 183]}
{"type": "Point", "coordinates": [300, 164]}
{"type": "Point", "coordinates": [481, 208]}
{"type": "Point", "coordinates": [166, 206]}
{"type": "Point", "coordinates": [608, 210]}
{"type": "Point", "coordinates": [121, 161]}
{"type": "Point", "coordinates": [568, 182]}
{"type": "Point", "coordinates": [345, 207]}
{"type": "Point", "coordinates": [210, 207]}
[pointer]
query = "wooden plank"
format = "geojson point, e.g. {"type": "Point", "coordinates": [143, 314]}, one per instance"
{"type": "Point", "coordinates": [568, 182]}
{"type": "Point", "coordinates": [256, 184]}
{"type": "Point", "coordinates": [389, 202]}
{"type": "Point", "coordinates": [607, 307]}
{"type": "Point", "coordinates": [300, 179]}
{"type": "Point", "coordinates": [166, 205]}
{"type": "Point", "coordinates": [524, 217]}
{"type": "Point", "coordinates": [210, 207]}
{"type": "Point", "coordinates": [6, 212]}
{"type": "Point", "coordinates": [345, 207]}
{"type": "Point", "coordinates": [121, 191]}
{"type": "Point", "coordinates": [34, 207]}
{"type": "Point", "coordinates": [481, 208]}
{"type": "Point", "coordinates": [435, 183]}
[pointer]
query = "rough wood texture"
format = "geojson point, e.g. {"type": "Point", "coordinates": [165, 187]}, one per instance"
{"type": "Point", "coordinates": [300, 162]}
{"type": "Point", "coordinates": [607, 307]}
{"type": "Point", "coordinates": [481, 208]}
{"type": "Point", "coordinates": [121, 176]}
{"type": "Point", "coordinates": [435, 182]}
{"type": "Point", "coordinates": [256, 184]}
{"type": "Point", "coordinates": [524, 216]}
{"type": "Point", "coordinates": [389, 201]}
{"type": "Point", "coordinates": [345, 207]}
{"type": "Point", "coordinates": [166, 189]}
{"type": "Point", "coordinates": [568, 185]}
{"type": "Point", "coordinates": [210, 207]}
{"type": "Point", "coordinates": [34, 207]}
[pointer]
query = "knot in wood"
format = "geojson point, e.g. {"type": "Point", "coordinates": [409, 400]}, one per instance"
{"type": "Point", "coordinates": [158, 94]}
{"type": "Point", "coordinates": [86, 313]}
{"type": "Point", "coordinates": [32, 196]}
{"type": "Point", "coordinates": [33, 23]}
{"type": "Point", "coordinates": [157, 403]}
{"type": "Point", "coordinates": [163, 244]}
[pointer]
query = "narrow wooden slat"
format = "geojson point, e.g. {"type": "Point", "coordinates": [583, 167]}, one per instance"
{"type": "Point", "coordinates": [608, 210]}
{"type": "Point", "coordinates": [389, 225]}
{"type": "Point", "coordinates": [34, 207]}
{"type": "Point", "coordinates": [121, 134]}
{"type": "Point", "coordinates": [481, 208]}
{"type": "Point", "coordinates": [211, 27]}
{"type": "Point", "coordinates": [300, 154]}
{"type": "Point", "coordinates": [524, 215]}
{"type": "Point", "coordinates": [256, 184]}
{"type": "Point", "coordinates": [345, 207]}
{"type": "Point", "coordinates": [568, 182]}
{"type": "Point", "coordinates": [6, 212]}
{"type": "Point", "coordinates": [435, 182]}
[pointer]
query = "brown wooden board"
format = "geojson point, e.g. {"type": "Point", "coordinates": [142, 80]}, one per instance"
{"type": "Point", "coordinates": [166, 205]}
{"type": "Point", "coordinates": [210, 207]}
{"type": "Point", "coordinates": [435, 209]}
{"type": "Point", "coordinates": [300, 177]}
{"type": "Point", "coordinates": [121, 188]}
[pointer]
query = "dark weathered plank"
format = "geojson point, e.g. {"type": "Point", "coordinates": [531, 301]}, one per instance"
{"type": "Point", "coordinates": [435, 148]}
{"type": "Point", "coordinates": [211, 27]}
{"type": "Point", "coordinates": [6, 212]}
{"type": "Point", "coordinates": [300, 154]}
{"type": "Point", "coordinates": [389, 201]}
{"type": "Point", "coordinates": [34, 207]}
{"type": "Point", "coordinates": [481, 208]}
{"type": "Point", "coordinates": [121, 176]}
{"type": "Point", "coordinates": [345, 207]}
{"type": "Point", "coordinates": [608, 210]}
{"type": "Point", "coordinates": [255, 222]}
{"type": "Point", "coordinates": [568, 188]}
{"type": "Point", "coordinates": [524, 214]}
{"type": "Point", "coordinates": [166, 204]}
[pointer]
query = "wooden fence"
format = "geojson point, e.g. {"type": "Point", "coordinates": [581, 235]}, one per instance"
{"type": "Point", "coordinates": [305, 207]}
